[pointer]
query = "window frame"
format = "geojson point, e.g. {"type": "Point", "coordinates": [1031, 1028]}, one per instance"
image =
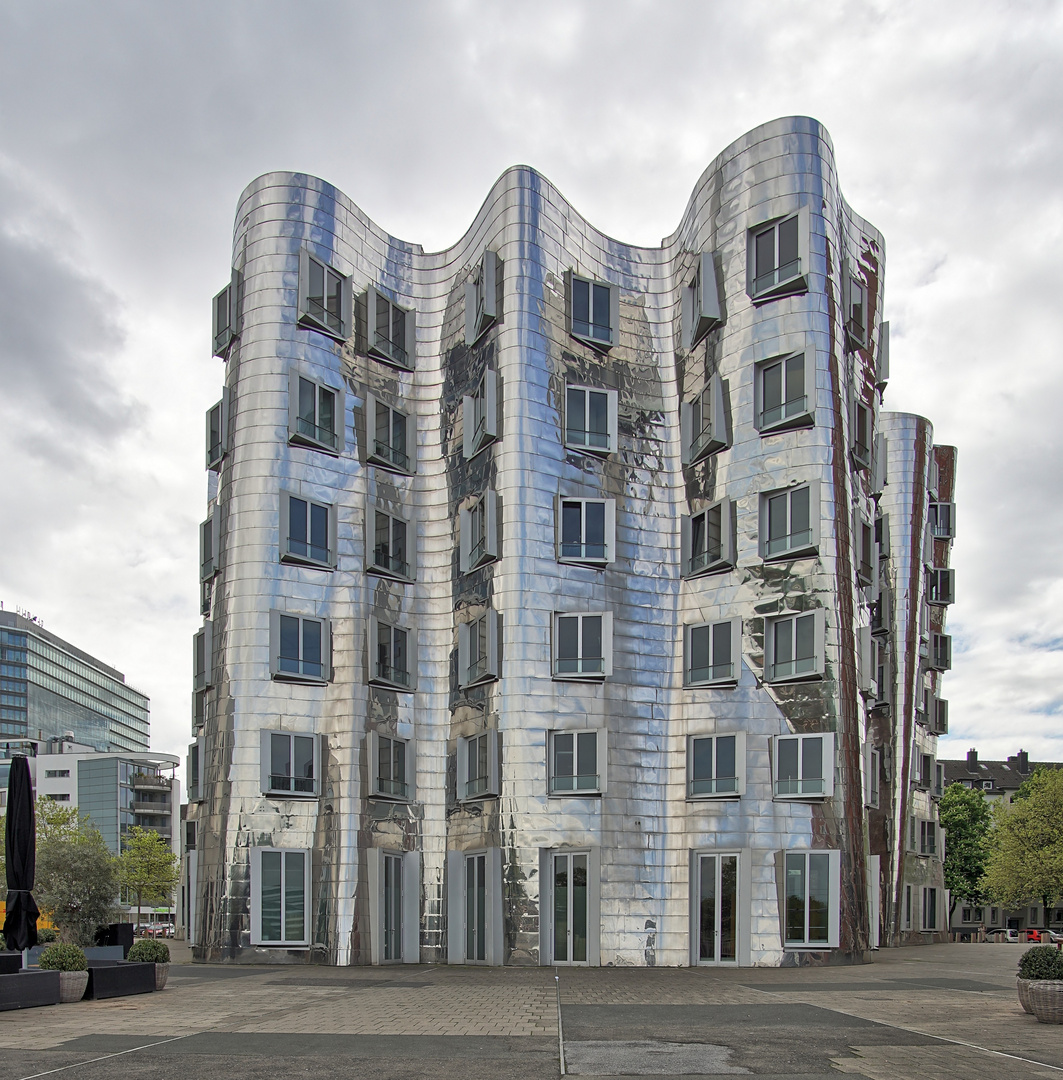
{"type": "Point", "coordinates": [194, 770]}
{"type": "Point", "coordinates": [600, 763]}
{"type": "Point", "coordinates": [218, 452]}
{"type": "Point", "coordinates": [265, 760]}
{"type": "Point", "coordinates": [387, 461]}
{"type": "Point", "coordinates": [865, 550]}
{"type": "Point", "coordinates": [296, 437]}
{"type": "Point", "coordinates": [929, 906]}
{"type": "Point", "coordinates": [864, 660]}
{"type": "Point", "coordinates": [934, 513]}
{"type": "Point", "coordinates": [492, 783]}
{"type": "Point", "coordinates": [257, 937]}
{"type": "Point", "coordinates": [612, 420]}
{"type": "Point", "coordinates": [857, 329]}
{"type": "Point", "coordinates": [485, 506]}
{"type": "Point", "coordinates": [796, 282]}
{"type": "Point", "coordinates": [276, 673]}
{"type": "Point", "coordinates": [879, 464]}
{"type": "Point", "coordinates": [490, 661]}
{"type": "Point", "coordinates": [483, 296]}
{"type": "Point", "coordinates": [372, 749]}
{"type": "Point", "coordinates": [801, 417]}
{"type": "Point", "coordinates": [209, 535]}
{"type": "Point", "coordinates": [203, 678]}
{"type": "Point", "coordinates": [938, 715]}
{"type": "Point", "coordinates": [473, 438]}
{"type": "Point", "coordinates": [882, 356]}
{"type": "Point", "coordinates": [379, 569]}
{"type": "Point", "coordinates": [599, 344]}
{"type": "Point", "coordinates": [607, 646]}
{"type": "Point", "coordinates": [740, 767]}
{"type": "Point", "coordinates": [872, 776]}
{"type": "Point", "coordinates": [375, 678]}
{"type": "Point", "coordinates": [861, 411]}
{"type": "Point", "coordinates": [819, 630]}
{"type": "Point", "coordinates": [695, 445]}
{"type": "Point", "coordinates": [728, 540]}
{"type": "Point", "coordinates": [609, 515]}
{"type": "Point", "coordinates": [828, 763]}
{"type": "Point", "coordinates": [791, 551]}
{"type": "Point", "coordinates": [293, 558]}
{"type": "Point", "coordinates": [940, 586]}
{"type": "Point", "coordinates": [374, 346]}
{"type": "Point", "coordinates": [409, 940]}
{"type": "Point", "coordinates": [833, 899]}
{"type": "Point", "coordinates": [940, 652]}
{"type": "Point", "coordinates": [311, 321]}
{"type": "Point", "coordinates": [735, 642]}
{"type": "Point", "coordinates": [228, 300]}
{"type": "Point", "coordinates": [701, 309]}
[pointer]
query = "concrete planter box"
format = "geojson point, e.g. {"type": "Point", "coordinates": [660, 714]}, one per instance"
{"type": "Point", "coordinates": [72, 985]}
{"type": "Point", "coordinates": [120, 979]}
{"type": "Point", "coordinates": [28, 989]}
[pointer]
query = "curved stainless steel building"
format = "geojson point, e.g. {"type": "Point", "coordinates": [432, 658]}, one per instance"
{"type": "Point", "coordinates": [541, 584]}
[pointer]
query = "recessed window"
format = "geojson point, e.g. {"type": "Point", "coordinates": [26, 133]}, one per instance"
{"type": "Point", "coordinates": [478, 528]}
{"type": "Point", "coordinates": [324, 297]}
{"type": "Point", "coordinates": [854, 303]}
{"type": "Point", "coordinates": [701, 301]}
{"type": "Point", "coordinates": [789, 522]}
{"type": "Point", "coordinates": [391, 765]}
{"type": "Point", "coordinates": [577, 762]}
{"type": "Point", "coordinates": [777, 256]}
{"type": "Point", "coordinates": [586, 529]}
{"type": "Point", "coordinates": [226, 316]}
{"type": "Point", "coordinates": [194, 770]}
{"type": "Point", "coordinates": [390, 555]}
{"type": "Point", "coordinates": [299, 648]}
{"type": "Point", "coordinates": [866, 552]}
{"type": "Point", "coordinates": [480, 415]}
{"type": "Point", "coordinates": [938, 716]}
{"type": "Point", "coordinates": [208, 547]}
{"type": "Point", "coordinates": [804, 766]}
{"type": "Point", "coordinates": [793, 646]}
{"type": "Point", "coordinates": [483, 297]}
{"type": "Point", "coordinates": [940, 586]}
{"type": "Point", "coordinates": [707, 539]}
{"type": "Point", "coordinates": [882, 535]}
{"type": "Point", "coordinates": [883, 684]}
{"type": "Point", "coordinates": [715, 765]}
{"type": "Point", "coordinates": [591, 419]}
{"type": "Point", "coordinates": [863, 420]}
{"type": "Point", "coordinates": [930, 909]}
{"type": "Point", "coordinates": [712, 653]}
{"type": "Point", "coordinates": [56, 774]}
{"type": "Point", "coordinates": [308, 531]}
{"type": "Point", "coordinates": [390, 330]}
{"type": "Point", "coordinates": [703, 422]}
{"type": "Point", "coordinates": [811, 895]}
{"type": "Point", "coordinates": [290, 764]}
{"type": "Point", "coordinates": [583, 646]}
{"type": "Point", "coordinates": [872, 775]}
{"type": "Point", "coordinates": [907, 907]}
{"type": "Point", "coordinates": [392, 655]}
{"type": "Point", "coordinates": [595, 311]}
{"type": "Point", "coordinates": [940, 652]}
{"type": "Point", "coordinates": [315, 414]}
{"type": "Point", "coordinates": [942, 520]}
{"type": "Point", "coordinates": [280, 897]}
{"type": "Point", "coordinates": [784, 392]}
{"type": "Point", "coordinates": [218, 431]}
{"type": "Point", "coordinates": [386, 435]}
{"type": "Point", "coordinates": [478, 766]}
{"type": "Point", "coordinates": [65, 797]}
{"type": "Point", "coordinates": [478, 659]}
{"type": "Point", "coordinates": [202, 658]}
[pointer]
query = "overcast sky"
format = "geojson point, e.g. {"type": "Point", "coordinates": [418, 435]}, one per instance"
{"type": "Point", "coordinates": [127, 131]}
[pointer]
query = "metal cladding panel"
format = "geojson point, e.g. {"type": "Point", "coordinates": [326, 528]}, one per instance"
{"type": "Point", "coordinates": [643, 827]}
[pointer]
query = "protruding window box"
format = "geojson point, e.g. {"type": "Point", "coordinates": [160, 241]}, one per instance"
{"type": "Point", "coordinates": [707, 539]}
{"type": "Point", "coordinates": [586, 530]}
{"type": "Point", "coordinates": [716, 766]}
{"type": "Point", "coordinates": [591, 419]}
{"type": "Point", "coordinates": [392, 767]}
{"type": "Point", "coordinates": [583, 645]}
{"type": "Point", "coordinates": [315, 414]}
{"type": "Point", "coordinates": [390, 330]}
{"type": "Point", "coordinates": [291, 764]}
{"type": "Point", "coordinates": [594, 311]}
{"type": "Point", "coordinates": [777, 261]}
{"type": "Point", "coordinates": [712, 653]}
{"type": "Point", "coordinates": [324, 297]}
{"type": "Point", "coordinates": [300, 648]}
{"type": "Point", "coordinates": [479, 759]}
{"type": "Point", "coordinates": [803, 766]}
{"type": "Point", "coordinates": [392, 655]}
{"type": "Point", "coordinates": [577, 762]}
{"type": "Point", "coordinates": [389, 442]}
{"type": "Point", "coordinates": [703, 422]}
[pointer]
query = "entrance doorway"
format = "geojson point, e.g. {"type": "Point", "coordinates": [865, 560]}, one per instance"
{"type": "Point", "coordinates": [570, 907]}
{"type": "Point", "coordinates": [717, 910]}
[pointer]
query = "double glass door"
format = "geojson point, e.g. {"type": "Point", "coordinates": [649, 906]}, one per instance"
{"type": "Point", "coordinates": [570, 908]}
{"type": "Point", "coordinates": [475, 908]}
{"type": "Point", "coordinates": [392, 907]}
{"type": "Point", "coordinates": [717, 911]}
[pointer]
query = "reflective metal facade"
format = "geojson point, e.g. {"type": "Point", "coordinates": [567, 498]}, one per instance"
{"type": "Point", "coordinates": [642, 835]}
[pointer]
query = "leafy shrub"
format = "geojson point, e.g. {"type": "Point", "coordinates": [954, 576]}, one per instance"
{"type": "Point", "coordinates": [1041, 962]}
{"type": "Point", "coordinates": [150, 952]}
{"type": "Point", "coordinates": [46, 935]}
{"type": "Point", "coordinates": [60, 957]}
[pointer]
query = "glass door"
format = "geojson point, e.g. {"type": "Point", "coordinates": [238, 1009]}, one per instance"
{"type": "Point", "coordinates": [570, 908]}
{"type": "Point", "coordinates": [392, 907]}
{"type": "Point", "coordinates": [718, 909]}
{"type": "Point", "coordinates": [475, 908]}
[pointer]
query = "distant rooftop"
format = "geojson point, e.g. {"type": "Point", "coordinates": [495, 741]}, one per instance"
{"type": "Point", "coordinates": [1004, 775]}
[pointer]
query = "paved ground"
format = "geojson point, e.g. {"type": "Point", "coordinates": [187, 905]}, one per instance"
{"type": "Point", "coordinates": [934, 1013]}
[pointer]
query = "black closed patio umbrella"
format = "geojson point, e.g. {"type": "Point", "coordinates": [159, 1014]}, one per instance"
{"type": "Point", "coordinates": [20, 837]}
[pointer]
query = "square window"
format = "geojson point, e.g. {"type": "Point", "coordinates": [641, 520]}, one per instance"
{"type": "Point", "coordinates": [785, 392]}
{"type": "Point", "coordinates": [203, 658]}
{"type": "Point", "coordinates": [712, 653]}
{"type": "Point", "coordinates": [308, 532]}
{"type": "Point", "coordinates": [280, 897]}
{"type": "Point", "coordinates": [940, 652]}
{"type": "Point", "coordinates": [290, 763]}
{"type": "Point", "coordinates": [390, 555]}
{"type": "Point", "coordinates": [707, 539]}
{"type": "Point", "coordinates": [226, 316]}
{"type": "Point", "coordinates": [703, 422]}
{"type": "Point", "coordinates": [591, 419]}
{"type": "Point", "coordinates": [393, 655]}
{"type": "Point", "coordinates": [594, 309]}
{"type": "Point", "coordinates": [862, 434]}
{"type": "Point", "coordinates": [854, 304]}
{"type": "Point", "coordinates": [480, 416]}
{"type": "Point", "coordinates": [583, 645]}
{"type": "Point", "coordinates": [391, 766]}
{"type": "Point", "coordinates": [777, 256]}
{"type": "Point", "coordinates": [586, 530]}
{"type": "Point", "coordinates": [940, 586]}
{"type": "Point", "coordinates": [194, 770]}
{"type": "Point", "coordinates": [716, 765]}
{"type": "Point", "coordinates": [577, 762]}
{"type": "Point", "coordinates": [478, 766]}
{"type": "Point", "coordinates": [324, 297]}
{"type": "Point", "coordinates": [208, 547]}
{"type": "Point", "coordinates": [810, 895]}
{"type": "Point", "coordinates": [388, 436]}
{"type": "Point", "coordinates": [793, 647]}
{"type": "Point", "coordinates": [483, 297]}
{"type": "Point", "coordinates": [942, 517]}
{"type": "Point", "coordinates": [218, 432]}
{"type": "Point", "coordinates": [315, 414]}
{"type": "Point", "coordinates": [299, 648]}
{"type": "Point", "coordinates": [478, 659]}
{"type": "Point", "coordinates": [804, 766]}
{"type": "Point", "coordinates": [478, 532]}
{"type": "Point", "coordinates": [930, 909]}
{"type": "Point", "coordinates": [701, 301]}
{"type": "Point", "coordinates": [390, 330]}
{"type": "Point", "coordinates": [789, 522]}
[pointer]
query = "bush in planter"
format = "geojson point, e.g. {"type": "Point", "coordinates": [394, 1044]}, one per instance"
{"type": "Point", "coordinates": [46, 935]}
{"type": "Point", "coordinates": [1041, 962]}
{"type": "Point", "coordinates": [60, 957]}
{"type": "Point", "coordinates": [150, 952]}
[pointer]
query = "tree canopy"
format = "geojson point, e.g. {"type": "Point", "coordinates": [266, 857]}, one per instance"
{"type": "Point", "coordinates": [147, 866]}
{"type": "Point", "coordinates": [965, 817]}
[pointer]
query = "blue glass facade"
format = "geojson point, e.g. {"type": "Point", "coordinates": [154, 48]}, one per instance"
{"type": "Point", "coordinates": [13, 686]}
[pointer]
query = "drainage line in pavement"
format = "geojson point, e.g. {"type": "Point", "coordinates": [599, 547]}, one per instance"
{"type": "Point", "coordinates": [105, 1057]}
{"type": "Point", "coordinates": [560, 1033]}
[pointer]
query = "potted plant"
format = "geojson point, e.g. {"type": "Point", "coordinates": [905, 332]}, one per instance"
{"type": "Point", "coordinates": [153, 952]}
{"type": "Point", "coordinates": [72, 966]}
{"type": "Point", "coordinates": [1042, 963]}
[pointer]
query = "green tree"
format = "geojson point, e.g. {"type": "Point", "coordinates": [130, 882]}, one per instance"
{"type": "Point", "coordinates": [54, 820]}
{"type": "Point", "coordinates": [1026, 845]}
{"type": "Point", "coordinates": [965, 817]}
{"type": "Point", "coordinates": [77, 880]}
{"type": "Point", "coordinates": [147, 867]}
